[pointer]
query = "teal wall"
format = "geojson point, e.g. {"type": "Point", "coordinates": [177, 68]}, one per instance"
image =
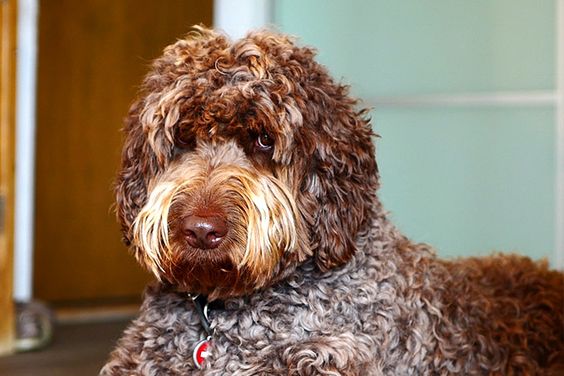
{"type": "Point", "coordinates": [467, 179]}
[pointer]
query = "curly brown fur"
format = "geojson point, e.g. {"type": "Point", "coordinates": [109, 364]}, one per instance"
{"type": "Point", "coordinates": [256, 136]}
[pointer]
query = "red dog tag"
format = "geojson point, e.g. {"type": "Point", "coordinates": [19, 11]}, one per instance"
{"type": "Point", "coordinates": [201, 352]}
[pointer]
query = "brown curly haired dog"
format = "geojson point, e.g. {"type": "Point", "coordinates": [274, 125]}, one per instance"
{"type": "Point", "coordinates": [249, 177]}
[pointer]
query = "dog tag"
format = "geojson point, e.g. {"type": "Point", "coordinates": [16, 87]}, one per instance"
{"type": "Point", "coordinates": [201, 352]}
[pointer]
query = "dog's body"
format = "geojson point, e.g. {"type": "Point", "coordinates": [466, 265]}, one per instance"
{"type": "Point", "coordinates": [248, 176]}
{"type": "Point", "coordinates": [383, 313]}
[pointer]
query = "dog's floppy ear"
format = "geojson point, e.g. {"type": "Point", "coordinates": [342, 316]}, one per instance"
{"type": "Point", "coordinates": [149, 141]}
{"type": "Point", "coordinates": [344, 176]}
{"type": "Point", "coordinates": [138, 165]}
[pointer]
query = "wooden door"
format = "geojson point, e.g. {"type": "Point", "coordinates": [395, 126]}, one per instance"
{"type": "Point", "coordinates": [91, 57]}
{"type": "Point", "coordinates": [7, 129]}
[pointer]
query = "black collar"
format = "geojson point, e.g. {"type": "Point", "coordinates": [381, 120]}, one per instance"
{"type": "Point", "coordinates": [203, 307]}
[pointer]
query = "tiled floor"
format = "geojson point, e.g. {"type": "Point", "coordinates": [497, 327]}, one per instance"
{"type": "Point", "coordinates": [77, 349]}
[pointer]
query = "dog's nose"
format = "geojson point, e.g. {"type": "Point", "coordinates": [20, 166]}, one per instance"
{"type": "Point", "coordinates": [204, 232]}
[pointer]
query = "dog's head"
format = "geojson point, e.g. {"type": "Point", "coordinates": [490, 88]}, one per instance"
{"type": "Point", "coordinates": [242, 160]}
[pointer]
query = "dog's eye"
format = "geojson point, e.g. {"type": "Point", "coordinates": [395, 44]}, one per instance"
{"type": "Point", "coordinates": [184, 141]}
{"type": "Point", "coordinates": [264, 142]}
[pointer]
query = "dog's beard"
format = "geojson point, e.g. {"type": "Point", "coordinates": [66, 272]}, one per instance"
{"type": "Point", "coordinates": [261, 216]}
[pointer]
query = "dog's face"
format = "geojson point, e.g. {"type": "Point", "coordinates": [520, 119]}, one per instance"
{"type": "Point", "coordinates": [241, 161]}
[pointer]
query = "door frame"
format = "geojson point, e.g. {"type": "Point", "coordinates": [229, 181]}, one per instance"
{"type": "Point", "coordinates": [236, 18]}
{"type": "Point", "coordinates": [8, 31]}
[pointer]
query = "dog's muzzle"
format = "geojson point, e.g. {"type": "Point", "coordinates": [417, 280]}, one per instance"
{"type": "Point", "coordinates": [211, 218]}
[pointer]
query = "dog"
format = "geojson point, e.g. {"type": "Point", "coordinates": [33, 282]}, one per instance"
{"type": "Point", "coordinates": [248, 187]}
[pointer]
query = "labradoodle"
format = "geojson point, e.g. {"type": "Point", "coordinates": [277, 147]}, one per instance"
{"type": "Point", "coordinates": [248, 187]}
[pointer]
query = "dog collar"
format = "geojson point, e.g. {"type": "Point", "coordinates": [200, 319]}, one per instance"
{"type": "Point", "coordinates": [201, 305]}
{"type": "Point", "coordinates": [202, 350]}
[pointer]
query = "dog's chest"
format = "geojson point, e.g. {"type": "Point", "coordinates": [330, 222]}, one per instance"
{"type": "Point", "coordinates": [341, 322]}
{"type": "Point", "coordinates": [297, 326]}
{"type": "Point", "coordinates": [271, 334]}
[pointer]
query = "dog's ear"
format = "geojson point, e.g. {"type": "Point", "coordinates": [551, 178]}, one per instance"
{"type": "Point", "coordinates": [138, 165]}
{"type": "Point", "coordinates": [344, 175]}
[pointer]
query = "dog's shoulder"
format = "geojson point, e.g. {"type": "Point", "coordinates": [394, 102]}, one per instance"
{"type": "Point", "coordinates": [166, 325]}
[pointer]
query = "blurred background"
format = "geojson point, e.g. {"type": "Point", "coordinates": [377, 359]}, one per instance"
{"type": "Point", "coordinates": [466, 96]}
